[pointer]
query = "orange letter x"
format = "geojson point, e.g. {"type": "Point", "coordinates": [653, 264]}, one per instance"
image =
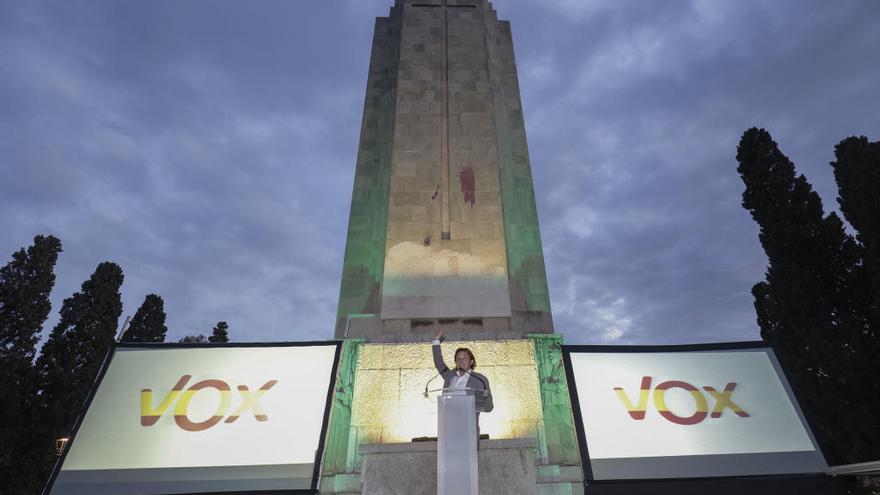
{"type": "Point", "coordinates": [251, 401]}
{"type": "Point", "coordinates": [723, 400]}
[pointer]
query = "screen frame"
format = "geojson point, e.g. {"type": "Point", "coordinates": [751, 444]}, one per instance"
{"type": "Point", "coordinates": [319, 454]}
{"type": "Point", "coordinates": [583, 449]}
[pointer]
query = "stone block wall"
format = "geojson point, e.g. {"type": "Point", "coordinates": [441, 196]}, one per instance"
{"type": "Point", "coordinates": [445, 254]}
{"type": "Point", "coordinates": [388, 405]}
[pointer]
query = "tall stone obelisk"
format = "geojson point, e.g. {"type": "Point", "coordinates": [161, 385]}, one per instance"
{"type": "Point", "coordinates": [443, 234]}
{"type": "Point", "coordinates": [443, 228]}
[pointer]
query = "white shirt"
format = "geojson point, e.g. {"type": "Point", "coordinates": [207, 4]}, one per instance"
{"type": "Point", "coordinates": [461, 381]}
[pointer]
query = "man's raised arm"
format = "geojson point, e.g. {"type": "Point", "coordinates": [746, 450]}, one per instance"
{"type": "Point", "coordinates": [438, 356]}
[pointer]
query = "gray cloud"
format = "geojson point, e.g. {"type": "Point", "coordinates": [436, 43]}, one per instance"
{"type": "Point", "coordinates": [634, 113]}
{"type": "Point", "coordinates": [209, 149]}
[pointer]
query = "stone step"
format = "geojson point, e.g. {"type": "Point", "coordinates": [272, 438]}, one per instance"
{"type": "Point", "coordinates": [549, 479]}
{"type": "Point", "coordinates": [341, 484]}
{"type": "Point", "coordinates": [559, 480]}
{"type": "Point", "coordinates": [560, 489]}
{"type": "Point", "coordinates": [559, 474]}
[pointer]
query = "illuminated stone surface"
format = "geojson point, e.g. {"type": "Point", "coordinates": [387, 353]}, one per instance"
{"type": "Point", "coordinates": [389, 405]}
{"type": "Point", "coordinates": [445, 253]}
{"type": "Point", "coordinates": [380, 397]}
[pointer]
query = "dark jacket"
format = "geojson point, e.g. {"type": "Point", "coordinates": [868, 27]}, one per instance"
{"type": "Point", "coordinates": [483, 402]}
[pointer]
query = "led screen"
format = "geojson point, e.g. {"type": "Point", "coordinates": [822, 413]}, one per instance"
{"type": "Point", "coordinates": [198, 420]}
{"type": "Point", "coordinates": [719, 412]}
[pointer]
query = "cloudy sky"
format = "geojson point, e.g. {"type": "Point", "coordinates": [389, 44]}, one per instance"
{"type": "Point", "coordinates": [208, 147]}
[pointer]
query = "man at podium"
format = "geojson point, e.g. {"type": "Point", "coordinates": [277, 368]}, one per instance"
{"type": "Point", "coordinates": [463, 376]}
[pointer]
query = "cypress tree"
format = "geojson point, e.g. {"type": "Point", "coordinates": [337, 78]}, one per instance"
{"type": "Point", "coordinates": [74, 352]}
{"type": "Point", "coordinates": [220, 333]}
{"type": "Point", "coordinates": [806, 305]}
{"type": "Point", "coordinates": [148, 323]}
{"type": "Point", "coordinates": [25, 285]}
{"type": "Point", "coordinates": [857, 172]}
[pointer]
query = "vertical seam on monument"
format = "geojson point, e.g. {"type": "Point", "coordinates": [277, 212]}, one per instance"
{"type": "Point", "coordinates": [445, 187]}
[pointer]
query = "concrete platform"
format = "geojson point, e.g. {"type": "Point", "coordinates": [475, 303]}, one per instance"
{"type": "Point", "coordinates": [507, 467]}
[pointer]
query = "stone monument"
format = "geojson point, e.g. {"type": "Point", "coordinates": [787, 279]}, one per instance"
{"type": "Point", "coordinates": [443, 224]}
{"type": "Point", "coordinates": [443, 233]}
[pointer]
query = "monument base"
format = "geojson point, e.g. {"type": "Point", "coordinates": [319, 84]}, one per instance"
{"type": "Point", "coordinates": [505, 466]}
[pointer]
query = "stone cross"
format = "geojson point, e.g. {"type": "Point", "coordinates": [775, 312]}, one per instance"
{"type": "Point", "coordinates": [445, 181]}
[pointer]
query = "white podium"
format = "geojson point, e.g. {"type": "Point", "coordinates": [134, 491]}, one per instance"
{"type": "Point", "coordinates": [457, 468]}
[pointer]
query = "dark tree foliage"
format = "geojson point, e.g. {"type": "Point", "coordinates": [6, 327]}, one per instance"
{"type": "Point", "coordinates": [857, 171]}
{"type": "Point", "coordinates": [74, 353]}
{"type": "Point", "coordinates": [810, 306]}
{"type": "Point", "coordinates": [148, 323]}
{"type": "Point", "coordinates": [25, 285]}
{"type": "Point", "coordinates": [220, 333]}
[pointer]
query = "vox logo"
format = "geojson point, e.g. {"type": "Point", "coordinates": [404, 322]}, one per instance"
{"type": "Point", "coordinates": [250, 401]}
{"type": "Point", "coordinates": [723, 400]}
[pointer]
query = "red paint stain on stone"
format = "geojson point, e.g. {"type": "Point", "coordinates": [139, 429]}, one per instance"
{"type": "Point", "coordinates": [468, 184]}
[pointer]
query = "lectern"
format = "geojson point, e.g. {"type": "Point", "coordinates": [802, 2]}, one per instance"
{"type": "Point", "coordinates": [457, 468]}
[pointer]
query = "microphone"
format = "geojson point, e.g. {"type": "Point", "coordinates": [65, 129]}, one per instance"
{"type": "Point", "coordinates": [434, 378]}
